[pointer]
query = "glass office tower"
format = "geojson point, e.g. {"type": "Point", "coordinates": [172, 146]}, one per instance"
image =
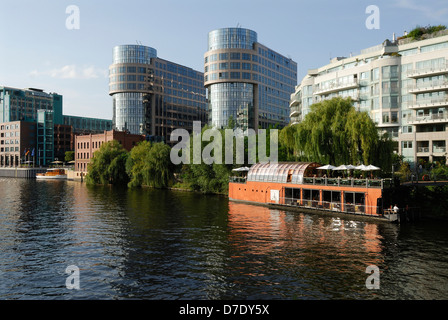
{"type": "Point", "coordinates": [130, 74]}
{"type": "Point", "coordinates": [152, 96]}
{"type": "Point", "coordinates": [247, 81]}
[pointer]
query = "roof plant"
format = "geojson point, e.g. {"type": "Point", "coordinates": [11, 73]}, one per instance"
{"type": "Point", "coordinates": [418, 32]}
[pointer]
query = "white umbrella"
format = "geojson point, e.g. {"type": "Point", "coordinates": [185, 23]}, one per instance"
{"type": "Point", "coordinates": [241, 169]}
{"type": "Point", "coordinates": [327, 167]}
{"type": "Point", "coordinates": [341, 167]}
{"type": "Point", "coordinates": [371, 167]}
{"type": "Point", "coordinates": [361, 167]}
{"type": "Point", "coordinates": [350, 167]}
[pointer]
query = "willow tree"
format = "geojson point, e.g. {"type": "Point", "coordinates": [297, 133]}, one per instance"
{"type": "Point", "coordinates": [287, 143]}
{"type": "Point", "coordinates": [334, 132]}
{"type": "Point", "coordinates": [108, 165]}
{"type": "Point", "coordinates": [149, 164]}
{"type": "Point", "coordinates": [209, 174]}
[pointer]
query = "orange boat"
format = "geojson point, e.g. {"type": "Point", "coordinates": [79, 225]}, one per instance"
{"type": "Point", "coordinates": [52, 174]}
{"type": "Point", "coordinates": [301, 184]}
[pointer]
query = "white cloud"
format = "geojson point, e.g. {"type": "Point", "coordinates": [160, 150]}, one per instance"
{"type": "Point", "coordinates": [72, 72]}
{"type": "Point", "coordinates": [436, 10]}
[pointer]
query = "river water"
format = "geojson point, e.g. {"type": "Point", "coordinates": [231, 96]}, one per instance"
{"type": "Point", "coordinates": [167, 245]}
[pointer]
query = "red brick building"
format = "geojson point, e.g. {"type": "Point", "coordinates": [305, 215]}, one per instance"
{"type": "Point", "coordinates": [86, 145]}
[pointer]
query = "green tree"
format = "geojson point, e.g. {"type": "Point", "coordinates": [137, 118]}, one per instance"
{"type": "Point", "coordinates": [69, 156]}
{"type": "Point", "coordinates": [108, 165]}
{"type": "Point", "coordinates": [208, 177]}
{"type": "Point", "coordinates": [149, 164]}
{"type": "Point", "coordinates": [335, 133]}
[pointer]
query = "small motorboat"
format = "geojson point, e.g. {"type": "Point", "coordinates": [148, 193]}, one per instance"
{"type": "Point", "coordinates": [52, 174]}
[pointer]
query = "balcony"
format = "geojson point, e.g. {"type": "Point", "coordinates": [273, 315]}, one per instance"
{"type": "Point", "coordinates": [295, 101]}
{"type": "Point", "coordinates": [335, 87]}
{"type": "Point", "coordinates": [432, 71]}
{"type": "Point", "coordinates": [423, 149]}
{"type": "Point", "coordinates": [429, 103]}
{"type": "Point", "coordinates": [431, 86]}
{"type": "Point", "coordinates": [438, 149]}
{"type": "Point", "coordinates": [429, 119]}
{"type": "Point", "coordinates": [295, 111]}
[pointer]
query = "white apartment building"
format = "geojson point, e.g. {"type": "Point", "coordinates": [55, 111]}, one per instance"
{"type": "Point", "coordinates": [402, 84]}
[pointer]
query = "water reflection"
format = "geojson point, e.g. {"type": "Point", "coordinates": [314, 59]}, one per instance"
{"type": "Point", "coordinates": [314, 253]}
{"type": "Point", "coordinates": [158, 244]}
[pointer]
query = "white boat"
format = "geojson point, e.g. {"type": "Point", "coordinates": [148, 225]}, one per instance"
{"type": "Point", "coordinates": [52, 174]}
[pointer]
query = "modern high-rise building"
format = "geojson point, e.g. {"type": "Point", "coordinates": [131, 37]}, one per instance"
{"type": "Point", "coordinates": [40, 113]}
{"type": "Point", "coordinates": [402, 84]}
{"type": "Point", "coordinates": [246, 80]}
{"type": "Point", "coordinates": [24, 104]}
{"type": "Point", "coordinates": [152, 96]}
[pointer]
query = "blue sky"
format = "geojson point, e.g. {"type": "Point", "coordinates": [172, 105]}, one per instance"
{"type": "Point", "coordinates": [37, 50]}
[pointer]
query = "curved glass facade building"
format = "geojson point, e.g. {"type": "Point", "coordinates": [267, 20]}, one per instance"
{"type": "Point", "coordinates": [246, 81]}
{"type": "Point", "coordinates": [133, 54]}
{"type": "Point", "coordinates": [152, 96]}
{"type": "Point", "coordinates": [231, 38]}
{"type": "Point", "coordinates": [128, 83]}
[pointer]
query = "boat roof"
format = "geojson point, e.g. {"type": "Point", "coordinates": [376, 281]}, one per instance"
{"type": "Point", "coordinates": [278, 172]}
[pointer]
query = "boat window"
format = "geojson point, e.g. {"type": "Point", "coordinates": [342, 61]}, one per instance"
{"type": "Point", "coordinates": [280, 172]}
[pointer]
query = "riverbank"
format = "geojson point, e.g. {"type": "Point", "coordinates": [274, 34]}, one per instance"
{"type": "Point", "coordinates": [431, 198]}
{"type": "Point", "coordinates": [26, 173]}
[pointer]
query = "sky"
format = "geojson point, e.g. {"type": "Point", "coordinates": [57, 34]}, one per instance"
{"type": "Point", "coordinates": [38, 50]}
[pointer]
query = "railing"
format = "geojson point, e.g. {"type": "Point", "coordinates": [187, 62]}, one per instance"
{"type": "Point", "coordinates": [422, 149]}
{"type": "Point", "coordinates": [428, 85]}
{"type": "Point", "coordinates": [349, 182]}
{"type": "Point", "coordinates": [336, 86]}
{"type": "Point", "coordinates": [294, 111]}
{"type": "Point", "coordinates": [428, 103]}
{"type": "Point", "coordinates": [436, 69]}
{"type": "Point", "coordinates": [336, 206]}
{"type": "Point", "coordinates": [428, 118]}
{"type": "Point", "coordinates": [438, 149]}
{"type": "Point", "coordinates": [237, 179]}
{"type": "Point", "coordinates": [295, 100]}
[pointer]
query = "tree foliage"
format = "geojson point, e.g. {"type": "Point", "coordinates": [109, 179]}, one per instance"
{"type": "Point", "coordinates": [149, 164]}
{"type": "Point", "coordinates": [418, 31]}
{"type": "Point", "coordinates": [203, 177]}
{"type": "Point", "coordinates": [335, 133]}
{"type": "Point", "coordinates": [69, 156]}
{"type": "Point", "coordinates": [108, 165]}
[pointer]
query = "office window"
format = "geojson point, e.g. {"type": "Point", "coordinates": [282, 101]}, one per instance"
{"type": "Point", "coordinates": [235, 65]}
{"type": "Point", "coordinates": [235, 56]}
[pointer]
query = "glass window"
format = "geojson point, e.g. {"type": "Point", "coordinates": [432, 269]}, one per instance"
{"type": "Point", "coordinates": [375, 74]}
{"type": "Point", "coordinates": [246, 56]}
{"type": "Point", "coordinates": [235, 56]}
{"type": "Point", "coordinates": [235, 65]}
{"type": "Point", "coordinates": [246, 66]}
